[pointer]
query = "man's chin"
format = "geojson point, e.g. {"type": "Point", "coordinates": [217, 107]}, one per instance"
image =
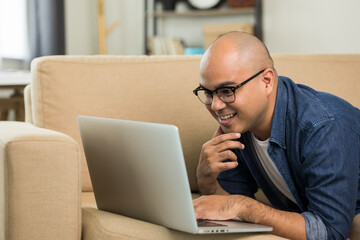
{"type": "Point", "coordinates": [232, 130]}
{"type": "Point", "coordinates": [228, 130]}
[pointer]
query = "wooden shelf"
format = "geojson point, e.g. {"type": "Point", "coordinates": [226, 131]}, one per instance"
{"type": "Point", "coordinates": [202, 13]}
{"type": "Point", "coordinates": [152, 16]}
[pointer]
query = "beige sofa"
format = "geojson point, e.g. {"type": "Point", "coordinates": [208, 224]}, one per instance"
{"type": "Point", "coordinates": [45, 189]}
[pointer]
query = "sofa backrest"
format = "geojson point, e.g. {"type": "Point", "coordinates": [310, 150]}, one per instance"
{"type": "Point", "coordinates": [336, 74]}
{"type": "Point", "coordinates": [157, 89]}
{"type": "Point", "coordinates": [140, 88]}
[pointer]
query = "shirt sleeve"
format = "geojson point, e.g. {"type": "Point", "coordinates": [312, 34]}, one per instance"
{"type": "Point", "coordinates": [330, 163]}
{"type": "Point", "coordinates": [238, 180]}
{"type": "Point", "coordinates": [315, 227]}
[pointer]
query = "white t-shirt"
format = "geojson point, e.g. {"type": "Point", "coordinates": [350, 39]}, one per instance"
{"type": "Point", "coordinates": [270, 168]}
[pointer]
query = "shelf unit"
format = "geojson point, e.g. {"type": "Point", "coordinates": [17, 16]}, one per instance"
{"type": "Point", "coordinates": [201, 13]}
{"type": "Point", "coordinates": [152, 15]}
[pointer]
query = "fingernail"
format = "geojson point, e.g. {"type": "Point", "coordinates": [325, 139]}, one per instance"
{"type": "Point", "coordinates": [238, 135]}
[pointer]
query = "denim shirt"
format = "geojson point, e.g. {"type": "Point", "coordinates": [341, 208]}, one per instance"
{"type": "Point", "coordinates": [315, 145]}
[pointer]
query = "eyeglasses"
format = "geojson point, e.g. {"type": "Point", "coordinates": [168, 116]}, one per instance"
{"type": "Point", "coordinates": [226, 94]}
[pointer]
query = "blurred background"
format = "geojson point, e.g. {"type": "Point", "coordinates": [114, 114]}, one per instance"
{"type": "Point", "coordinates": [31, 28]}
{"type": "Point", "coordinates": [34, 28]}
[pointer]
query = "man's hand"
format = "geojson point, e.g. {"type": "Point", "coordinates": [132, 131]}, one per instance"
{"type": "Point", "coordinates": [224, 207]}
{"type": "Point", "coordinates": [212, 157]}
{"type": "Point", "coordinates": [216, 207]}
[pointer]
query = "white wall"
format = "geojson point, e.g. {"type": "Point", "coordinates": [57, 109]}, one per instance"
{"type": "Point", "coordinates": [307, 26]}
{"type": "Point", "coordinates": [127, 38]}
{"type": "Point", "coordinates": [290, 26]}
{"type": "Point", "coordinates": [82, 26]}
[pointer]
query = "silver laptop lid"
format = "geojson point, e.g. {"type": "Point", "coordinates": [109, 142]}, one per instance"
{"type": "Point", "coordinates": [137, 170]}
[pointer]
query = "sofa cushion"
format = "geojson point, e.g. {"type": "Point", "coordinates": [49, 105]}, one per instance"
{"type": "Point", "coordinates": [89, 212]}
{"type": "Point", "coordinates": [104, 225]}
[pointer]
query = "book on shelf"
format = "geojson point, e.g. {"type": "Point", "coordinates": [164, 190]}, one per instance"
{"type": "Point", "coordinates": [158, 45]}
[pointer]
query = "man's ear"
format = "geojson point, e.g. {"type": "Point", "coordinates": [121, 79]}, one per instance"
{"type": "Point", "coordinates": [269, 80]}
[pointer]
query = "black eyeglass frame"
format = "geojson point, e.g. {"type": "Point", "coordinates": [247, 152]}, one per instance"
{"type": "Point", "coordinates": [233, 89]}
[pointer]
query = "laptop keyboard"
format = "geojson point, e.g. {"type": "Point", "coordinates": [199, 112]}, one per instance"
{"type": "Point", "coordinates": [207, 223]}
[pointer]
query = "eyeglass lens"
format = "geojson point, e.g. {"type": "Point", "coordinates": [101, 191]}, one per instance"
{"type": "Point", "coordinates": [225, 94]}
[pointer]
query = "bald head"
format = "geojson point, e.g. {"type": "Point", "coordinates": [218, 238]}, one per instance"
{"type": "Point", "coordinates": [245, 49]}
{"type": "Point", "coordinates": [230, 61]}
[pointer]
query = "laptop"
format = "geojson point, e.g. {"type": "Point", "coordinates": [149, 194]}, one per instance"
{"type": "Point", "coordinates": [137, 169]}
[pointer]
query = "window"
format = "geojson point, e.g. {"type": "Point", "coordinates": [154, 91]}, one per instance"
{"type": "Point", "coordinates": [13, 30]}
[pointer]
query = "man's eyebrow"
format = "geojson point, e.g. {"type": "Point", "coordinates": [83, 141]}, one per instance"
{"type": "Point", "coordinates": [223, 84]}
{"type": "Point", "coordinates": [226, 84]}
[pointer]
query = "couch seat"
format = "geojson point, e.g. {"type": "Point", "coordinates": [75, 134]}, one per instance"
{"type": "Point", "coordinates": [97, 224]}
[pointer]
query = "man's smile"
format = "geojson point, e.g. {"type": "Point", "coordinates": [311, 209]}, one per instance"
{"type": "Point", "coordinates": [226, 117]}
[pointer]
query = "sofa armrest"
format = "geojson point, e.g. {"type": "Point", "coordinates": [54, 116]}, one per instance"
{"type": "Point", "coordinates": [40, 189]}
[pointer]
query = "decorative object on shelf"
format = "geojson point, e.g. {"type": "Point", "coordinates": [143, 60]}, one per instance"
{"type": "Point", "coordinates": [168, 5]}
{"type": "Point", "coordinates": [205, 4]}
{"type": "Point", "coordinates": [213, 31]}
{"type": "Point", "coordinates": [194, 50]}
{"type": "Point", "coordinates": [241, 3]}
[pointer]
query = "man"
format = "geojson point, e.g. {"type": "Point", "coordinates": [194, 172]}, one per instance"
{"type": "Point", "coordinates": [300, 146]}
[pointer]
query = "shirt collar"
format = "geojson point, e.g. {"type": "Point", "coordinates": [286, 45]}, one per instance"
{"type": "Point", "coordinates": [278, 122]}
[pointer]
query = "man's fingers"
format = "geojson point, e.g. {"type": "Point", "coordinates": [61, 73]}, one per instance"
{"type": "Point", "coordinates": [197, 208]}
{"type": "Point", "coordinates": [224, 166]}
{"type": "Point", "coordinates": [227, 155]}
{"type": "Point", "coordinates": [215, 207]}
{"type": "Point", "coordinates": [220, 156]}
{"type": "Point", "coordinates": [225, 137]}
{"type": "Point", "coordinates": [214, 153]}
{"type": "Point", "coordinates": [229, 145]}
{"type": "Point", "coordinates": [227, 165]}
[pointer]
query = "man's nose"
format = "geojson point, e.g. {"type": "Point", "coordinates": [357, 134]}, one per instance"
{"type": "Point", "coordinates": [217, 104]}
